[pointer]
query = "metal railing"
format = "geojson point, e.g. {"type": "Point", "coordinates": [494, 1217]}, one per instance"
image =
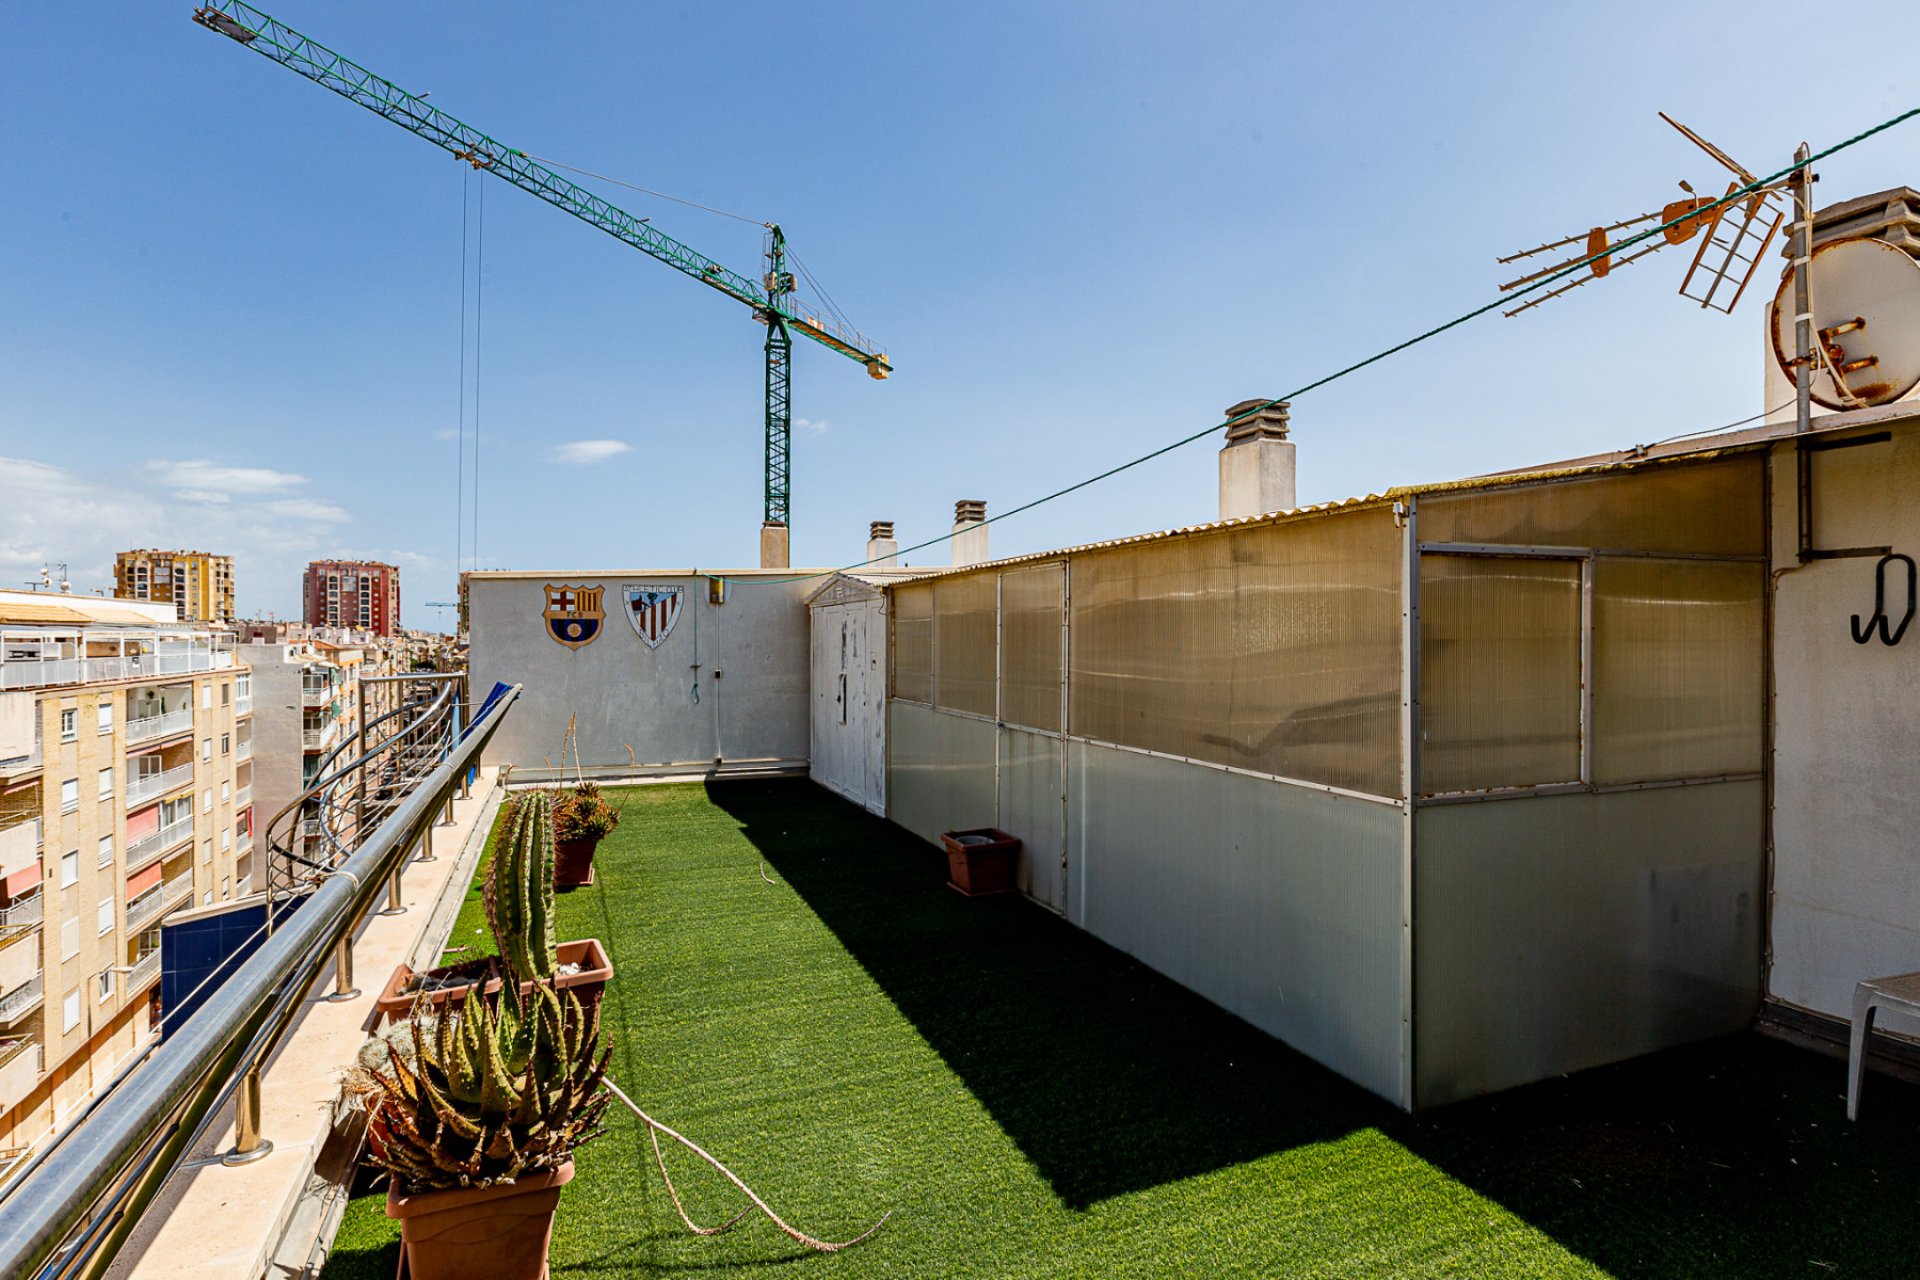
{"type": "Point", "coordinates": [146, 786]}
{"type": "Point", "coordinates": [34, 673]}
{"type": "Point", "coordinates": [20, 1001]}
{"type": "Point", "coordinates": [146, 728]}
{"type": "Point", "coordinates": [243, 706]}
{"type": "Point", "coordinates": [145, 972]}
{"type": "Point", "coordinates": [22, 914]}
{"type": "Point", "coordinates": [66, 1214]}
{"type": "Point", "coordinates": [149, 847]}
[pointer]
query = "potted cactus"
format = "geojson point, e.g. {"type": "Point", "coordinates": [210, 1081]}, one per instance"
{"type": "Point", "coordinates": [519, 900]}
{"type": "Point", "coordinates": [582, 818]}
{"type": "Point", "coordinates": [479, 1121]}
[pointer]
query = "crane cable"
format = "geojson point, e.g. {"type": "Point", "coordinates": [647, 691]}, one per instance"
{"type": "Point", "coordinates": [648, 191]}
{"type": "Point", "coordinates": [1732, 197]}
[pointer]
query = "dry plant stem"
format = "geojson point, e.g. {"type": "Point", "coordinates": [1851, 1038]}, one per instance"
{"type": "Point", "coordinates": [792, 1233]}
{"type": "Point", "coordinates": [660, 1159]}
{"type": "Point", "coordinates": [763, 873]}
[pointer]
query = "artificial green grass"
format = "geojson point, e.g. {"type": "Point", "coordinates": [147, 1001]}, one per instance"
{"type": "Point", "coordinates": [853, 1038]}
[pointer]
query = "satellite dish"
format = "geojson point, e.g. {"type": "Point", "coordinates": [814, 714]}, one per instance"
{"type": "Point", "coordinates": [1866, 316]}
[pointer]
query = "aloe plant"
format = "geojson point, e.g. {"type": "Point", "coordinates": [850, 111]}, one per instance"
{"type": "Point", "coordinates": [490, 1093]}
{"type": "Point", "coordinates": [519, 891]}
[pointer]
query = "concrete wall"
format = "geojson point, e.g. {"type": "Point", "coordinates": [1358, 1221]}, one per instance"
{"type": "Point", "coordinates": [1846, 892]}
{"type": "Point", "coordinates": [747, 659]}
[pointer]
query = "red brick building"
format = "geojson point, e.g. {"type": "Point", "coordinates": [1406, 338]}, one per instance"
{"type": "Point", "coordinates": [352, 593]}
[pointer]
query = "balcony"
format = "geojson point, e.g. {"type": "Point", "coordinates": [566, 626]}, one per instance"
{"type": "Point", "coordinates": [145, 972]}
{"type": "Point", "coordinates": [321, 738]}
{"type": "Point", "coordinates": [23, 914]}
{"type": "Point", "coordinates": [243, 706]}
{"type": "Point", "coordinates": [317, 695]}
{"type": "Point", "coordinates": [244, 886]}
{"type": "Point", "coordinates": [148, 786]}
{"type": "Point", "coordinates": [20, 844]}
{"type": "Point", "coordinates": [19, 959]}
{"type": "Point", "coordinates": [243, 749]}
{"type": "Point", "coordinates": [21, 1060]}
{"type": "Point", "coordinates": [147, 728]}
{"type": "Point", "coordinates": [22, 1000]}
{"type": "Point", "coordinates": [147, 848]}
{"type": "Point", "coordinates": [37, 673]}
{"type": "Point", "coordinates": [243, 797]}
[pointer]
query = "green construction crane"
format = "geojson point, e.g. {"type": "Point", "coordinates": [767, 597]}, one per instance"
{"type": "Point", "coordinates": [772, 299]}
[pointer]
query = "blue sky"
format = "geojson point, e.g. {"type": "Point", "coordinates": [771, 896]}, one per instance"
{"type": "Point", "coordinates": [231, 312]}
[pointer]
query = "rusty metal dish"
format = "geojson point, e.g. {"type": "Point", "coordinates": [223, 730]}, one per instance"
{"type": "Point", "coordinates": [1866, 311]}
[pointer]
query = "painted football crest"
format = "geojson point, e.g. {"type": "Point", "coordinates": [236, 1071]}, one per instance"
{"type": "Point", "coordinates": [653, 611]}
{"type": "Point", "coordinates": [574, 614]}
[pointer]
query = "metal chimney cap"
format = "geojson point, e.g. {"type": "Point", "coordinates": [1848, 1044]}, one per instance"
{"type": "Point", "coordinates": [880, 529]}
{"type": "Point", "coordinates": [1269, 423]}
{"type": "Point", "coordinates": [970, 511]}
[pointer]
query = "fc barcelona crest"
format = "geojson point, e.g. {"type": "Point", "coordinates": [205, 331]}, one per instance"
{"type": "Point", "coordinates": [653, 611]}
{"type": "Point", "coordinates": [574, 614]}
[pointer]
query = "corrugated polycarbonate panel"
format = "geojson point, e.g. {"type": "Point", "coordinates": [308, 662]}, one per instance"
{"type": "Point", "coordinates": [1711, 508]}
{"type": "Point", "coordinates": [1275, 649]}
{"type": "Point", "coordinates": [913, 643]}
{"type": "Point", "coordinates": [1277, 902]}
{"type": "Point", "coordinates": [1499, 672]}
{"type": "Point", "coordinates": [963, 643]}
{"type": "Point", "coordinates": [941, 771]}
{"type": "Point", "coordinates": [1561, 932]}
{"type": "Point", "coordinates": [1678, 685]}
{"type": "Point", "coordinates": [1032, 618]}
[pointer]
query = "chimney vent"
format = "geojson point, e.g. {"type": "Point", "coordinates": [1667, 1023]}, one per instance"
{"type": "Point", "coordinates": [882, 551]}
{"type": "Point", "coordinates": [880, 529]}
{"type": "Point", "coordinates": [970, 531]}
{"type": "Point", "coordinates": [1256, 463]}
{"type": "Point", "coordinates": [1268, 424]}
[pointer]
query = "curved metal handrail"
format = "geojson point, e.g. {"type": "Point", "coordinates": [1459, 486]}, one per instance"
{"type": "Point", "coordinates": [68, 1213]}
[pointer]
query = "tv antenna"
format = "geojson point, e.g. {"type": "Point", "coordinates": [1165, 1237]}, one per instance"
{"type": "Point", "coordinates": [1733, 238]}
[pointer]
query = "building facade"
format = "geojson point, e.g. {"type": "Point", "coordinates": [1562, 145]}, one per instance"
{"type": "Point", "coordinates": [198, 584]}
{"type": "Point", "coordinates": [125, 793]}
{"type": "Point", "coordinates": [308, 695]}
{"type": "Point", "coordinates": [351, 594]}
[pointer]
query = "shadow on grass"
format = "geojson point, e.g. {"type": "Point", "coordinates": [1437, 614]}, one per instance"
{"type": "Point", "coordinates": [1732, 1157]}
{"type": "Point", "coordinates": [1109, 1077]}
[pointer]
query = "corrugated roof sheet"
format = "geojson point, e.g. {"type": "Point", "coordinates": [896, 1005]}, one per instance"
{"type": "Point", "coordinates": [21, 614]}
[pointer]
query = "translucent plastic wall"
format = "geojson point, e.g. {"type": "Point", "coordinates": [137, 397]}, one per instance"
{"type": "Point", "coordinates": [1033, 603]}
{"type": "Point", "coordinates": [1274, 649]}
{"type": "Point", "coordinates": [913, 643]}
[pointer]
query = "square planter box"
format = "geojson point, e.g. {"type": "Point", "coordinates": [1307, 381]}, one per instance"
{"type": "Point", "coordinates": [589, 984]}
{"type": "Point", "coordinates": [980, 861]}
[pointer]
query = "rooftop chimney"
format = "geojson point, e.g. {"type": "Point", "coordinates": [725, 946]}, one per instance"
{"type": "Point", "coordinates": [969, 531]}
{"type": "Point", "coordinates": [882, 551]}
{"type": "Point", "coordinates": [1256, 464]}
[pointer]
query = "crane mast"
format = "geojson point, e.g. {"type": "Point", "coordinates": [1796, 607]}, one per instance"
{"type": "Point", "coordinates": [772, 300]}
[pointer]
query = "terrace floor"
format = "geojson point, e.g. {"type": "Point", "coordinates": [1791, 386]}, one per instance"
{"type": "Point", "coordinates": [852, 1038]}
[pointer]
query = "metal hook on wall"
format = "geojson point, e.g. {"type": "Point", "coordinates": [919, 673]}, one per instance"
{"type": "Point", "coordinates": [1878, 622]}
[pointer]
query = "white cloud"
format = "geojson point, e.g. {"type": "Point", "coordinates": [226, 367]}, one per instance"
{"type": "Point", "coordinates": [446, 433]}
{"type": "Point", "coordinates": [811, 427]}
{"type": "Point", "coordinates": [203, 479]}
{"type": "Point", "coordinates": [308, 509]}
{"type": "Point", "coordinates": [582, 452]}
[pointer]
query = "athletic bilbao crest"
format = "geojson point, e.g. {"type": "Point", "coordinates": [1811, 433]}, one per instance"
{"type": "Point", "coordinates": [653, 611]}
{"type": "Point", "coordinates": [574, 614]}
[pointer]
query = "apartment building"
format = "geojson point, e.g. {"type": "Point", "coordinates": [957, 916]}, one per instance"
{"type": "Point", "coordinates": [125, 793]}
{"type": "Point", "coordinates": [308, 695]}
{"type": "Point", "coordinates": [363, 594]}
{"type": "Point", "coordinates": [198, 584]}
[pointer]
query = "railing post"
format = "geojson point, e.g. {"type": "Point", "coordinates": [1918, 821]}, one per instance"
{"type": "Point", "coordinates": [396, 904]}
{"type": "Point", "coordinates": [426, 846]}
{"type": "Point", "coordinates": [343, 988]}
{"type": "Point", "coordinates": [248, 1145]}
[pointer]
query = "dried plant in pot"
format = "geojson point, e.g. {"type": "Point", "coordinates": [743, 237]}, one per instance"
{"type": "Point", "coordinates": [582, 818]}
{"type": "Point", "coordinates": [479, 1118]}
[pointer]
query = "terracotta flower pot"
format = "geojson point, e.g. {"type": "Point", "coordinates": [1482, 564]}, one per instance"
{"type": "Point", "coordinates": [573, 862]}
{"type": "Point", "coordinates": [981, 861]}
{"type": "Point", "coordinates": [595, 968]}
{"type": "Point", "coordinates": [397, 997]}
{"type": "Point", "coordinates": [479, 1233]}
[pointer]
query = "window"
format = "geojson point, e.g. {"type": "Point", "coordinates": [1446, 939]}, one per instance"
{"type": "Point", "coordinates": [70, 1010]}
{"type": "Point", "coordinates": [226, 790]}
{"type": "Point", "coordinates": [69, 868]}
{"type": "Point", "coordinates": [206, 749]}
{"type": "Point", "coordinates": [103, 918]}
{"type": "Point", "coordinates": [225, 744]}
{"type": "Point", "coordinates": [224, 882]}
{"type": "Point", "coordinates": [206, 695]}
{"type": "Point", "coordinates": [226, 840]}
{"type": "Point", "coordinates": [104, 717]}
{"type": "Point", "coordinates": [206, 851]}
{"type": "Point", "coordinates": [106, 985]}
{"type": "Point", "coordinates": [206, 800]}
{"type": "Point", "coordinates": [69, 795]}
{"type": "Point", "coordinates": [69, 724]}
{"type": "Point", "coordinates": [106, 783]}
{"type": "Point", "coordinates": [206, 899]}
{"type": "Point", "coordinates": [226, 694]}
{"type": "Point", "coordinates": [69, 939]}
{"type": "Point", "coordinates": [106, 851]}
